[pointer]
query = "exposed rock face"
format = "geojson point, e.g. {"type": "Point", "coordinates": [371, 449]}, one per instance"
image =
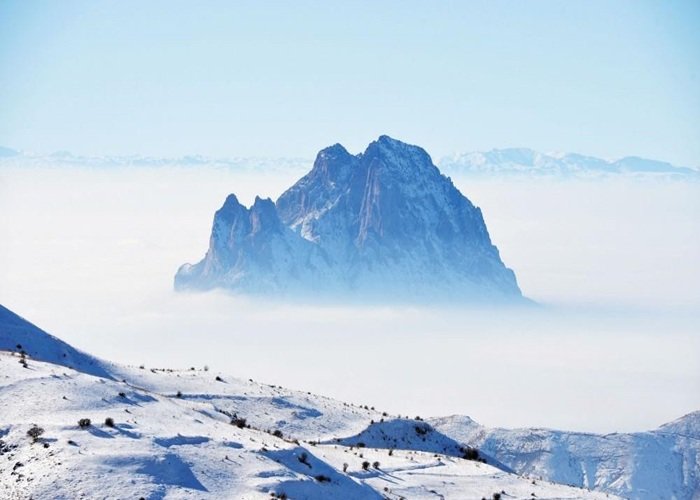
{"type": "Point", "coordinates": [384, 223]}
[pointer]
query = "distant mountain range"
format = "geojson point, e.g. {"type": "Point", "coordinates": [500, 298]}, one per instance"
{"type": "Point", "coordinates": [163, 433]}
{"type": "Point", "coordinates": [528, 163]}
{"type": "Point", "coordinates": [65, 158]}
{"type": "Point", "coordinates": [381, 224]}
{"type": "Point", "coordinates": [520, 162]}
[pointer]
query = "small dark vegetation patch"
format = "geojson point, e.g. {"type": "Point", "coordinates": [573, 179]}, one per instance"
{"type": "Point", "coordinates": [238, 422]}
{"type": "Point", "coordinates": [304, 458]}
{"type": "Point", "coordinates": [469, 453]}
{"type": "Point", "coordinates": [84, 423]}
{"type": "Point", "coordinates": [422, 430]}
{"type": "Point", "coordinates": [35, 432]}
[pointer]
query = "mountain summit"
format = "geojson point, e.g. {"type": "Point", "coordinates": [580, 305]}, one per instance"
{"type": "Point", "coordinates": [381, 224]}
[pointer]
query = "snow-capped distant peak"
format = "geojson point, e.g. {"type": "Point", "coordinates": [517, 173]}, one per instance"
{"type": "Point", "coordinates": [530, 163]}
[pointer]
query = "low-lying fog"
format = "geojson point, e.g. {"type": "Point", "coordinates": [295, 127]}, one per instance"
{"type": "Point", "coordinates": [90, 254]}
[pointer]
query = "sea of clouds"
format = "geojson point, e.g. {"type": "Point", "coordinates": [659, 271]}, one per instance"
{"type": "Point", "coordinates": [89, 254]}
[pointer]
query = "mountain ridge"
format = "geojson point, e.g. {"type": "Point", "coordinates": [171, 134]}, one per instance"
{"type": "Point", "coordinates": [527, 162]}
{"type": "Point", "coordinates": [513, 161]}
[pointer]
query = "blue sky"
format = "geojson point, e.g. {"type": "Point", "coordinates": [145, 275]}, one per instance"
{"type": "Point", "coordinates": [287, 78]}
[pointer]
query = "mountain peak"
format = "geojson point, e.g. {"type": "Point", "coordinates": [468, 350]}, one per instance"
{"type": "Point", "coordinates": [231, 202]}
{"type": "Point", "coordinates": [398, 156]}
{"type": "Point", "coordinates": [385, 139]}
{"type": "Point", "coordinates": [385, 142]}
{"type": "Point", "coordinates": [336, 150]}
{"type": "Point", "coordinates": [263, 215]}
{"type": "Point", "coordinates": [381, 224]}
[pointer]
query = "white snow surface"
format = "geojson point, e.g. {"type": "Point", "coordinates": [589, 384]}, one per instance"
{"type": "Point", "coordinates": [663, 463]}
{"type": "Point", "coordinates": [172, 436]}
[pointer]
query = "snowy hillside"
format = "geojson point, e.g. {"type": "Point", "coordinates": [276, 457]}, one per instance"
{"type": "Point", "coordinates": [525, 162]}
{"type": "Point", "coordinates": [663, 463]}
{"type": "Point", "coordinates": [384, 224]}
{"type": "Point", "coordinates": [162, 433]}
{"type": "Point", "coordinates": [17, 334]}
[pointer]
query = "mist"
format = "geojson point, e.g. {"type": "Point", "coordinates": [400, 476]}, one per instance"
{"type": "Point", "coordinates": [89, 254]}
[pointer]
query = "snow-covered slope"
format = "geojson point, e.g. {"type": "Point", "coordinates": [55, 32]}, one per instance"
{"type": "Point", "coordinates": [663, 463]}
{"type": "Point", "coordinates": [196, 434]}
{"type": "Point", "coordinates": [529, 163]}
{"type": "Point", "coordinates": [385, 223]}
{"type": "Point", "coordinates": [20, 336]}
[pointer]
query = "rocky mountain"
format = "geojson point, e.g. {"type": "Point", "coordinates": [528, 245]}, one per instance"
{"type": "Point", "coordinates": [383, 223]}
{"type": "Point", "coordinates": [523, 162]}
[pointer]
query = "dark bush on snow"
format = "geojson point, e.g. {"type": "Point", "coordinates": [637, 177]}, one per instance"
{"type": "Point", "coordinates": [109, 422]}
{"type": "Point", "coordinates": [35, 432]}
{"type": "Point", "coordinates": [84, 423]}
{"type": "Point", "coordinates": [238, 422]}
{"type": "Point", "coordinates": [422, 430]}
{"type": "Point", "coordinates": [470, 453]}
